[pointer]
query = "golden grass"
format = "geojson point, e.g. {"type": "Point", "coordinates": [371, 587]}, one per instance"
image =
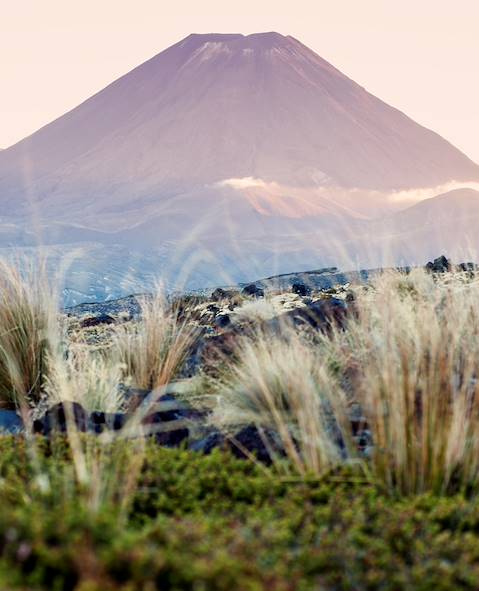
{"type": "Point", "coordinates": [413, 354]}
{"type": "Point", "coordinates": [154, 351]}
{"type": "Point", "coordinates": [28, 333]}
{"type": "Point", "coordinates": [409, 357]}
{"type": "Point", "coordinates": [93, 378]}
{"type": "Point", "coordinates": [282, 384]}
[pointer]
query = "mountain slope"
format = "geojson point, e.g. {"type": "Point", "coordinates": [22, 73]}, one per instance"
{"type": "Point", "coordinates": [218, 107]}
{"type": "Point", "coordinates": [452, 208]}
{"type": "Point", "coordinates": [445, 224]}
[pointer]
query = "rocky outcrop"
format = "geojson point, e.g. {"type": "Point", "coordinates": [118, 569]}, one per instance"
{"type": "Point", "coordinates": [97, 321]}
{"type": "Point", "coordinates": [439, 265]}
{"type": "Point", "coordinates": [253, 290]}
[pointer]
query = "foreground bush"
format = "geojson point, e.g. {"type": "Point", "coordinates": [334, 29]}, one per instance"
{"type": "Point", "coordinates": [216, 523]}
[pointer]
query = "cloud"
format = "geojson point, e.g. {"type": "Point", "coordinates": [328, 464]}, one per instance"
{"type": "Point", "coordinates": [412, 196]}
{"type": "Point", "coordinates": [242, 183]}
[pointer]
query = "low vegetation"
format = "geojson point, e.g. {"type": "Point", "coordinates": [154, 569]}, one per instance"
{"type": "Point", "coordinates": [364, 400]}
{"type": "Point", "coordinates": [216, 523]}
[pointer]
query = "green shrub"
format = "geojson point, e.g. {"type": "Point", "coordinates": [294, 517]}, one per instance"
{"type": "Point", "coordinates": [218, 523]}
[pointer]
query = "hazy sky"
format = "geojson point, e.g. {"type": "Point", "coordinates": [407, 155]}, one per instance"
{"type": "Point", "coordinates": [421, 56]}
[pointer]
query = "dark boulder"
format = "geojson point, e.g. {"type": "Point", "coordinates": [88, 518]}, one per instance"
{"type": "Point", "coordinates": [439, 265]}
{"type": "Point", "coordinates": [97, 320]}
{"type": "Point", "coordinates": [320, 315]}
{"type": "Point", "coordinates": [219, 348]}
{"type": "Point", "coordinates": [10, 422]}
{"type": "Point", "coordinates": [222, 321]}
{"type": "Point", "coordinates": [247, 443]}
{"type": "Point", "coordinates": [169, 432]}
{"type": "Point", "coordinates": [213, 309]}
{"type": "Point", "coordinates": [192, 362]}
{"type": "Point", "coordinates": [169, 408]}
{"type": "Point", "coordinates": [210, 442]}
{"type": "Point", "coordinates": [170, 419]}
{"type": "Point", "coordinates": [468, 267]}
{"type": "Point", "coordinates": [172, 437]}
{"type": "Point", "coordinates": [55, 418]}
{"type": "Point", "coordinates": [253, 290]}
{"type": "Point", "coordinates": [301, 289]}
{"type": "Point", "coordinates": [106, 421]}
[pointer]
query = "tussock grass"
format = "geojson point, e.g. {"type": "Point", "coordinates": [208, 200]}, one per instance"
{"type": "Point", "coordinates": [282, 384]}
{"type": "Point", "coordinates": [409, 357]}
{"type": "Point", "coordinates": [28, 333]}
{"type": "Point", "coordinates": [154, 351]}
{"type": "Point", "coordinates": [37, 367]}
{"type": "Point", "coordinates": [93, 378]}
{"type": "Point", "coordinates": [413, 356]}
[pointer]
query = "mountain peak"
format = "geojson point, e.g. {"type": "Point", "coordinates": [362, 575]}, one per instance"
{"type": "Point", "coordinates": [267, 36]}
{"type": "Point", "coordinates": [238, 41]}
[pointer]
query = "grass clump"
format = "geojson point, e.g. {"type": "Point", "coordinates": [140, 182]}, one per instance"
{"type": "Point", "coordinates": [92, 378]}
{"type": "Point", "coordinates": [413, 355]}
{"type": "Point", "coordinates": [283, 384]}
{"type": "Point", "coordinates": [407, 358]}
{"type": "Point", "coordinates": [154, 351]}
{"type": "Point", "coordinates": [28, 334]}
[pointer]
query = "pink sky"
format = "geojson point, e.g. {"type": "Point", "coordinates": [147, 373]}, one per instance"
{"type": "Point", "coordinates": [421, 56]}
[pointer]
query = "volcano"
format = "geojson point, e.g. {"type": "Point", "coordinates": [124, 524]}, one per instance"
{"type": "Point", "coordinates": [222, 138]}
{"type": "Point", "coordinates": [221, 108]}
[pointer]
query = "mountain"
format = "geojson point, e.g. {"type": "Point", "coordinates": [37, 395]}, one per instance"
{"type": "Point", "coordinates": [221, 153]}
{"type": "Point", "coordinates": [218, 107]}
{"type": "Point", "coordinates": [457, 207]}
{"type": "Point", "coordinates": [445, 224]}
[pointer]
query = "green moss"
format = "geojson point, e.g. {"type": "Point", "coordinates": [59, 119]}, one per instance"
{"type": "Point", "coordinates": [217, 523]}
